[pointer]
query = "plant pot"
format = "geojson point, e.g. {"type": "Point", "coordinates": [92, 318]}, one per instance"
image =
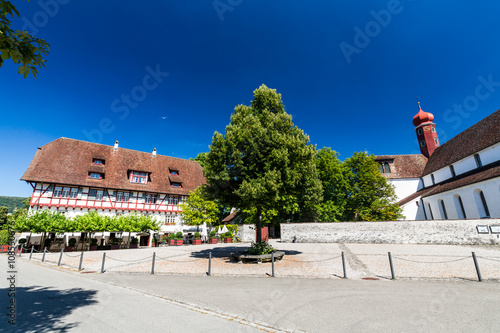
{"type": "Point", "coordinates": [69, 249]}
{"type": "Point", "coordinates": [212, 241]}
{"type": "Point", "coordinates": [179, 242]}
{"type": "Point", "coordinates": [133, 246]}
{"type": "Point", "coordinates": [93, 247]}
{"type": "Point", "coordinates": [197, 241]}
{"type": "Point", "coordinates": [172, 242]}
{"type": "Point", "coordinates": [228, 240]}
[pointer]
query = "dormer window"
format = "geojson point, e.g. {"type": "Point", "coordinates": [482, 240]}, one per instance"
{"type": "Point", "coordinates": [96, 175]}
{"type": "Point", "coordinates": [384, 167]}
{"type": "Point", "coordinates": [97, 161]}
{"type": "Point", "coordinates": [174, 172]}
{"type": "Point", "coordinates": [138, 177]}
{"type": "Point", "coordinates": [178, 185]}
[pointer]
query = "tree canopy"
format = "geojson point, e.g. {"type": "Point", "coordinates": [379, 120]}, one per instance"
{"type": "Point", "coordinates": [263, 161]}
{"type": "Point", "coordinates": [23, 48]}
{"type": "Point", "coordinates": [198, 209]}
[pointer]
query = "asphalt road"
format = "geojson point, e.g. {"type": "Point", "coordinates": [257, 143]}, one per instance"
{"type": "Point", "coordinates": [51, 300]}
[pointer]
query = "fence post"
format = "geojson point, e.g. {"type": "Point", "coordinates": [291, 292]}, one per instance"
{"type": "Point", "coordinates": [81, 260]}
{"type": "Point", "coordinates": [343, 265]}
{"type": "Point", "coordinates": [209, 263]}
{"type": "Point", "coordinates": [392, 267]}
{"type": "Point", "coordinates": [44, 251]}
{"type": "Point", "coordinates": [60, 257]}
{"type": "Point", "coordinates": [31, 253]}
{"type": "Point", "coordinates": [272, 261]}
{"type": "Point", "coordinates": [21, 251]}
{"type": "Point", "coordinates": [103, 260]}
{"type": "Point", "coordinates": [477, 267]}
{"type": "Point", "coordinates": [153, 263]}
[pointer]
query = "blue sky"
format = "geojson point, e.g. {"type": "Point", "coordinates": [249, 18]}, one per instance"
{"type": "Point", "coordinates": [167, 74]}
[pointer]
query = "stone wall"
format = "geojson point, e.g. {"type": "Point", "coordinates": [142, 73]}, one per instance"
{"type": "Point", "coordinates": [246, 232]}
{"type": "Point", "coordinates": [392, 232]}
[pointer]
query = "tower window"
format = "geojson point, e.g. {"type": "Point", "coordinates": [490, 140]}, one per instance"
{"type": "Point", "coordinates": [436, 141]}
{"type": "Point", "coordinates": [419, 131]}
{"type": "Point", "coordinates": [433, 128]}
{"type": "Point", "coordinates": [422, 143]}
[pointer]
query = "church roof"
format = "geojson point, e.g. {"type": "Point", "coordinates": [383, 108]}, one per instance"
{"type": "Point", "coordinates": [69, 162]}
{"type": "Point", "coordinates": [477, 137]}
{"type": "Point", "coordinates": [404, 166]}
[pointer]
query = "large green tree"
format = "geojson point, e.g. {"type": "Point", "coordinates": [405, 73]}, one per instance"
{"type": "Point", "coordinates": [3, 216]}
{"type": "Point", "coordinates": [23, 48]}
{"type": "Point", "coordinates": [369, 196]}
{"type": "Point", "coordinates": [198, 209]}
{"type": "Point", "coordinates": [263, 161]}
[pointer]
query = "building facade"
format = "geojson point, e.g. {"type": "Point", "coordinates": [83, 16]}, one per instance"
{"type": "Point", "coordinates": [459, 179]}
{"type": "Point", "coordinates": [76, 177]}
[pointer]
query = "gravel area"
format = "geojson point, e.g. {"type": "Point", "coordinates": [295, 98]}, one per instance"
{"type": "Point", "coordinates": [305, 260]}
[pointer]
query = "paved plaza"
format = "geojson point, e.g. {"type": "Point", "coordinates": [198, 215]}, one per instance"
{"type": "Point", "coordinates": [305, 260]}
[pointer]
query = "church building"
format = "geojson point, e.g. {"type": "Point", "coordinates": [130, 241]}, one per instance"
{"type": "Point", "coordinates": [459, 179]}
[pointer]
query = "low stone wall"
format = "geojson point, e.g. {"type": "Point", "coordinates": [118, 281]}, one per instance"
{"type": "Point", "coordinates": [391, 232]}
{"type": "Point", "coordinates": [246, 233]}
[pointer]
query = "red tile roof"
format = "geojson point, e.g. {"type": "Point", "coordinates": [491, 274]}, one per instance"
{"type": "Point", "coordinates": [477, 137]}
{"type": "Point", "coordinates": [68, 161]}
{"type": "Point", "coordinates": [404, 166]}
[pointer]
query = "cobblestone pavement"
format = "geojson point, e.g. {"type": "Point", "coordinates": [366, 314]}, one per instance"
{"type": "Point", "coordinates": [306, 260]}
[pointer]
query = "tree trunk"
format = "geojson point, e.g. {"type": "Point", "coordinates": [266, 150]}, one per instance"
{"type": "Point", "coordinates": [258, 225]}
{"type": "Point", "coordinates": [128, 242]}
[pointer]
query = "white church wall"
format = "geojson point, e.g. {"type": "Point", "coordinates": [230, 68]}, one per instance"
{"type": "Point", "coordinates": [405, 187]}
{"type": "Point", "coordinates": [491, 154]}
{"type": "Point", "coordinates": [413, 210]}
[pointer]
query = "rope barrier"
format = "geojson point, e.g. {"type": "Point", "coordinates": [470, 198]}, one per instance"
{"type": "Point", "coordinates": [486, 258]}
{"type": "Point", "coordinates": [320, 260]}
{"type": "Point", "coordinates": [66, 254]}
{"type": "Point", "coordinates": [165, 259]}
{"type": "Point", "coordinates": [135, 260]}
{"type": "Point", "coordinates": [430, 262]}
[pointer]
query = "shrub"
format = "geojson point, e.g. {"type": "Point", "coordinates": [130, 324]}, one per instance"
{"type": "Point", "coordinates": [21, 241]}
{"type": "Point", "coordinates": [261, 248]}
{"type": "Point", "coordinates": [93, 242]}
{"type": "Point", "coordinates": [179, 235]}
{"type": "Point", "coordinates": [197, 235]}
{"type": "Point", "coordinates": [4, 237]}
{"type": "Point", "coordinates": [213, 234]}
{"type": "Point", "coordinates": [134, 241]}
{"type": "Point", "coordinates": [172, 236]}
{"type": "Point", "coordinates": [228, 234]}
{"type": "Point", "coordinates": [72, 242]}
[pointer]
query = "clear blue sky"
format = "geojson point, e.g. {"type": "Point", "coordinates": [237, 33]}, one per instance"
{"type": "Point", "coordinates": [347, 90]}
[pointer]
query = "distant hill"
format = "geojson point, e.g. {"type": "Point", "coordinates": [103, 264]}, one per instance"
{"type": "Point", "coordinates": [12, 202]}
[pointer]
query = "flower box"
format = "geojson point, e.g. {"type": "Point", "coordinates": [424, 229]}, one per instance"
{"type": "Point", "coordinates": [172, 242]}
{"type": "Point", "coordinates": [228, 240]}
{"type": "Point", "coordinates": [212, 241]}
{"type": "Point", "coordinates": [196, 241]}
{"type": "Point", "coordinates": [179, 242]}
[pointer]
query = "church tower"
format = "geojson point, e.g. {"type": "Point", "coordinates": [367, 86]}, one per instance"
{"type": "Point", "coordinates": [426, 132]}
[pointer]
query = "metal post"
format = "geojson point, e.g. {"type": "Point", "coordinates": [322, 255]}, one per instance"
{"type": "Point", "coordinates": [477, 267]}
{"type": "Point", "coordinates": [103, 260]}
{"type": "Point", "coordinates": [60, 257]}
{"type": "Point", "coordinates": [32, 248]}
{"type": "Point", "coordinates": [153, 263]}
{"type": "Point", "coordinates": [44, 251]}
{"type": "Point", "coordinates": [21, 251]}
{"type": "Point", "coordinates": [343, 266]}
{"type": "Point", "coordinates": [209, 263]}
{"type": "Point", "coordinates": [81, 260]}
{"type": "Point", "coordinates": [392, 267]}
{"type": "Point", "coordinates": [272, 261]}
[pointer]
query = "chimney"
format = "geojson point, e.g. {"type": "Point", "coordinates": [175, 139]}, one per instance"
{"type": "Point", "coordinates": [154, 152]}
{"type": "Point", "coordinates": [115, 148]}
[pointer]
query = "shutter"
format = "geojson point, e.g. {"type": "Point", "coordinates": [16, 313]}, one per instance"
{"type": "Point", "coordinates": [79, 195]}
{"type": "Point", "coordinates": [50, 191]}
{"type": "Point", "coordinates": [92, 194]}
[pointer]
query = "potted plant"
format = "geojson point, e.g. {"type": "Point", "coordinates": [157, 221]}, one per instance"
{"type": "Point", "coordinates": [134, 243]}
{"type": "Point", "coordinates": [71, 245]}
{"type": "Point", "coordinates": [213, 237]}
{"type": "Point", "coordinates": [21, 242]}
{"type": "Point", "coordinates": [228, 237]}
{"type": "Point", "coordinates": [197, 238]}
{"type": "Point", "coordinates": [172, 240]}
{"type": "Point", "coordinates": [93, 244]}
{"type": "Point", "coordinates": [179, 237]}
{"type": "Point", "coordinates": [115, 243]}
{"type": "Point", "coordinates": [47, 243]}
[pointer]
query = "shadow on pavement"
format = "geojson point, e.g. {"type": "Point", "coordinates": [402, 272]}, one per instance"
{"type": "Point", "coordinates": [42, 309]}
{"type": "Point", "coordinates": [225, 252]}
